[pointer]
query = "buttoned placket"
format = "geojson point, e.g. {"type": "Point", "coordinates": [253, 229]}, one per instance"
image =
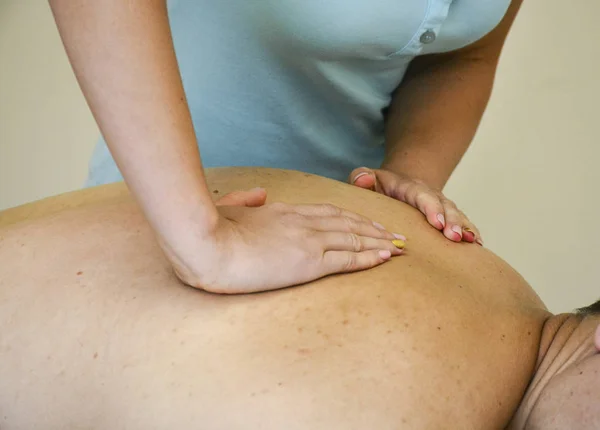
{"type": "Point", "coordinates": [437, 12]}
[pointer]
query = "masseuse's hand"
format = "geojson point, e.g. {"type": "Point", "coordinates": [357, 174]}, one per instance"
{"type": "Point", "coordinates": [440, 212]}
{"type": "Point", "coordinates": [258, 246]}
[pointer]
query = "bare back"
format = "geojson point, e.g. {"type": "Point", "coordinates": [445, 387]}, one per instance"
{"type": "Point", "coordinates": [98, 333]}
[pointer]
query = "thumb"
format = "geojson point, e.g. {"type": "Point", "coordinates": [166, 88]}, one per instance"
{"type": "Point", "coordinates": [251, 198]}
{"type": "Point", "coordinates": [363, 177]}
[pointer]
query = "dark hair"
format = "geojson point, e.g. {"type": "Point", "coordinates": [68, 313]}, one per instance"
{"type": "Point", "coordinates": [591, 310]}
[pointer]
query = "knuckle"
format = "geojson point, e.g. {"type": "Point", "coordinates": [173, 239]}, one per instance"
{"type": "Point", "coordinates": [278, 206]}
{"type": "Point", "coordinates": [355, 242]}
{"type": "Point", "coordinates": [350, 263]}
{"type": "Point", "coordinates": [429, 202]}
{"type": "Point", "coordinates": [460, 214]}
{"type": "Point", "coordinates": [331, 209]}
{"type": "Point", "coordinates": [418, 193]}
{"type": "Point", "coordinates": [448, 203]}
{"type": "Point", "coordinates": [452, 210]}
{"type": "Point", "coordinates": [432, 195]}
{"type": "Point", "coordinates": [432, 199]}
{"type": "Point", "coordinates": [349, 224]}
{"type": "Point", "coordinates": [291, 219]}
{"type": "Point", "coordinates": [410, 193]}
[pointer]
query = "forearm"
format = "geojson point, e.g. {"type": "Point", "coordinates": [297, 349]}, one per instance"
{"type": "Point", "coordinates": [122, 54]}
{"type": "Point", "coordinates": [434, 115]}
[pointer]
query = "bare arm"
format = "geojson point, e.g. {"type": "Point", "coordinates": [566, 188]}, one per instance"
{"type": "Point", "coordinates": [122, 53]}
{"type": "Point", "coordinates": [435, 112]}
{"type": "Point", "coordinates": [123, 57]}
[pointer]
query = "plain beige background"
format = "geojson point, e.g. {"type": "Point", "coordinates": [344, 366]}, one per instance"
{"type": "Point", "coordinates": [529, 181]}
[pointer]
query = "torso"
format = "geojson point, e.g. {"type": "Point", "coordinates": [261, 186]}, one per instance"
{"type": "Point", "coordinates": [301, 84]}
{"type": "Point", "coordinates": [97, 332]}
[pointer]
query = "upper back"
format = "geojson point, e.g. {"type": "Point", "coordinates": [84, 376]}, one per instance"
{"type": "Point", "coordinates": [444, 336]}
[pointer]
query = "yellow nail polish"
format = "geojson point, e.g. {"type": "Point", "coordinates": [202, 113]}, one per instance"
{"type": "Point", "coordinates": [399, 243]}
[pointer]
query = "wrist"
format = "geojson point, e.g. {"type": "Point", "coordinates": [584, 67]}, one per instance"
{"type": "Point", "coordinates": [189, 242]}
{"type": "Point", "coordinates": [183, 222]}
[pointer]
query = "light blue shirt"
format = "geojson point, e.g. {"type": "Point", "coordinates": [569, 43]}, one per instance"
{"type": "Point", "coordinates": [302, 84]}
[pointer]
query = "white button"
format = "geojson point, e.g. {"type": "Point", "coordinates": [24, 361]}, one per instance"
{"type": "Point", "coordinates": [428, 37]}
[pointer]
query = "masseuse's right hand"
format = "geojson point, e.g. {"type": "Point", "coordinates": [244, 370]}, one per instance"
{"type": "Point", "coordinates": [258, 247]}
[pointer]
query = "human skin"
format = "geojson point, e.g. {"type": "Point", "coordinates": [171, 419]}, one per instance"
{"type": "Point", "coordinates": [565, 388]}
{"type": "Point", "coordinates": [99, 333]}
{"type": "Point", "coordinates": [431, 122]}
{"type": "Point", "coordinates": [123, 58]}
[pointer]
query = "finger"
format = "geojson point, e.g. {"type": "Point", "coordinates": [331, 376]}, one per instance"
{"type": "Point", "coordinates": [251, 198]}
{"type": "Point", "coordinates": [363, 177]}
{"type": "Point", "coordinates": [471, 233]}
{"type": "Point", "coordinates": [327, 210]}
{"type": "Point", "coordinates": [346, 262]}
{"type": "Point", "coordinates": [331, 241]}
{"type": "Point", "coordinates": [342, 224]}
{"type": "Point", "coordinates": [429, 203]}
{"type": "Point", "coordinates": [468, 235]}
{"type": "Point", "coordinates": [455, 221]}
{"type": "Point", "coordinates": [459, 225]}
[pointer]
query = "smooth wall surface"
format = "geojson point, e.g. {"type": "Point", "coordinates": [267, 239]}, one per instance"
{"type": "Point", "coordinates": [529, 181]}
{"type": "Point", "coordinates": [46, 130]}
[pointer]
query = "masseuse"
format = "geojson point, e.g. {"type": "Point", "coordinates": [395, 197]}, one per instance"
{"type": "Point", "coordinates": [387, 93]}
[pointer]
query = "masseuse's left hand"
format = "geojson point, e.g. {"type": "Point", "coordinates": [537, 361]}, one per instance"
{"type": "Point", "coordinates": [440, 212]}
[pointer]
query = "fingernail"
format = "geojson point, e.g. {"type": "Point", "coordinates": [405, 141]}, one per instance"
{"type": "Point", "coordinates": [399, 243]}
{"type": "Point", "coordinates": [457, 229]}
{"type": "Point", "coordinates": [379, 226]}
{"type": "Point", "coordinates": [257, 189]}
{"type": "Point", "coordinates": [470, 234]}
{"type": "Point", "coordinates": [359, 175]}
{"type": "Point", "coordinates": [385, 254]}
{"type": "Point", "coordinates": [399, 236]}
{"type": "Point", "coordinates": [441, 219]}
{"type": "Point", "coordinates": [479, 241]}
